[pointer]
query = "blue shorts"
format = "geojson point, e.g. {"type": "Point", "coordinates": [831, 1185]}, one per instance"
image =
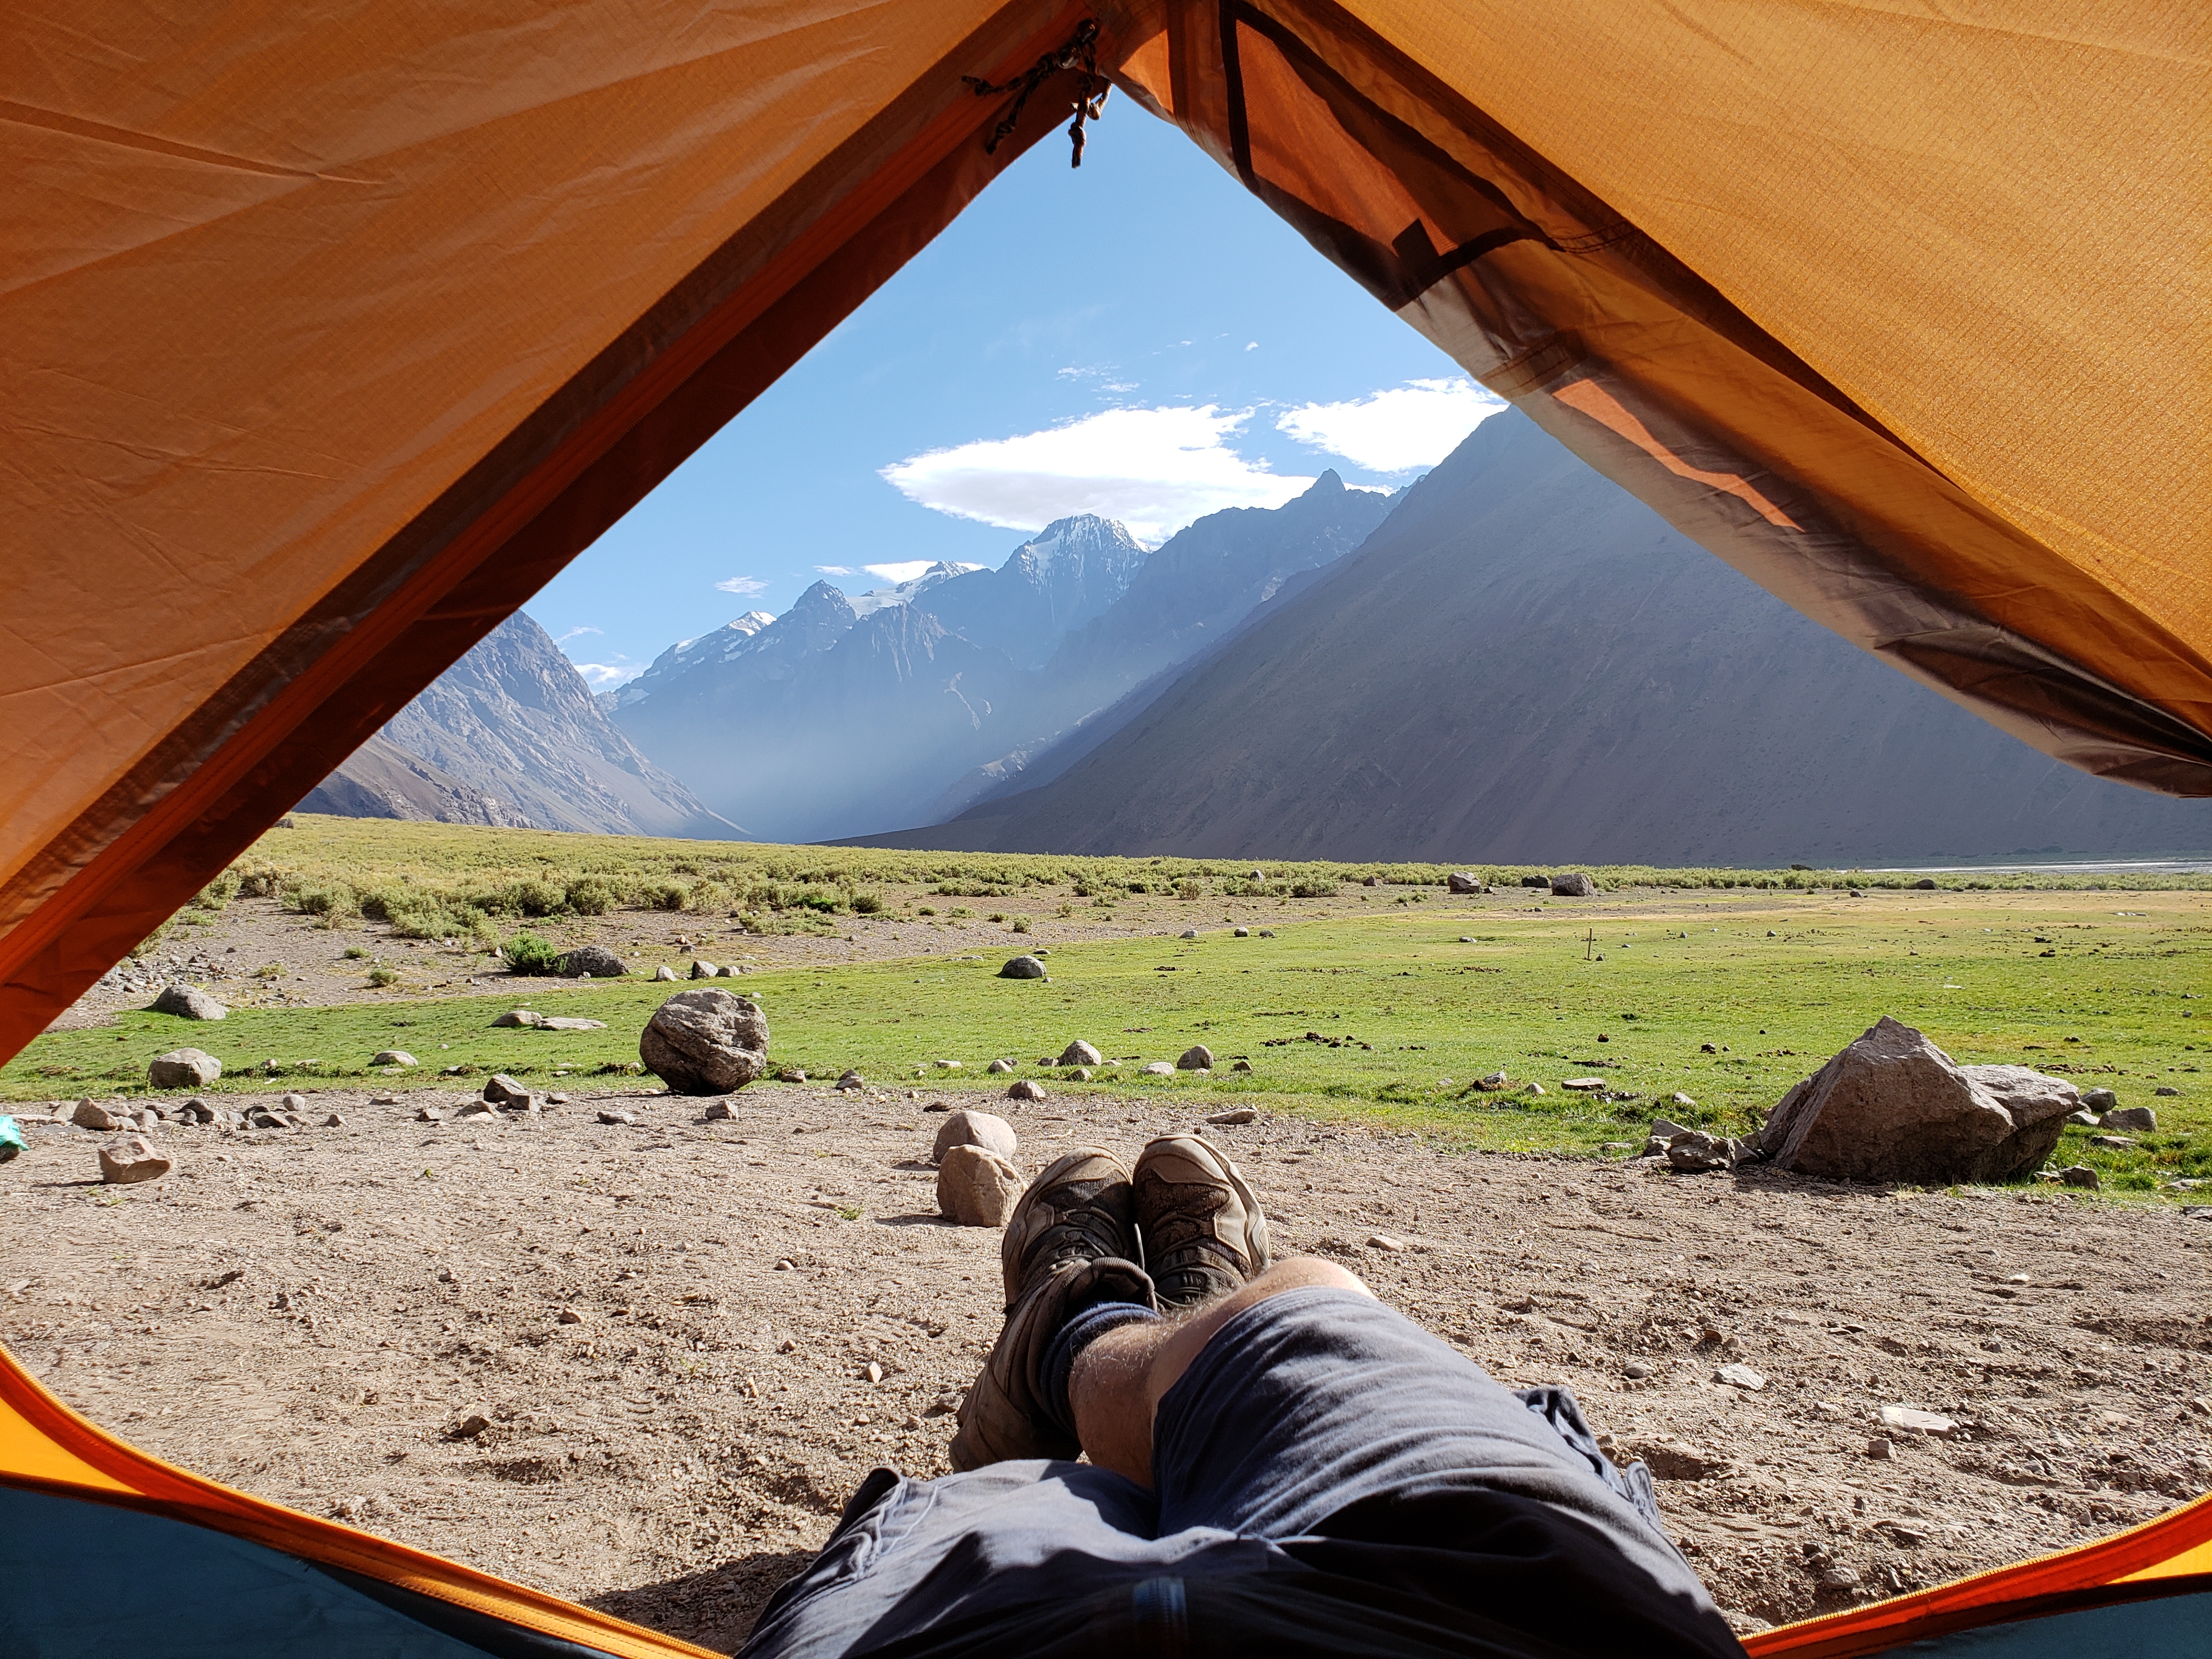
{"type": "Point", "coordinates": [1327, 1478]}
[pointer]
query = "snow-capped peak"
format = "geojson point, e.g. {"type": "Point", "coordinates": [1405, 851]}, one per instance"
{"type": "Point", "coordinates": [903, 593]}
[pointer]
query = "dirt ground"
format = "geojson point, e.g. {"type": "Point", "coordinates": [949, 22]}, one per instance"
{"type": "Point", "coordinates": [667, 1329]}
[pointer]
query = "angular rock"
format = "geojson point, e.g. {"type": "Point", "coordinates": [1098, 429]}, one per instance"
{"type": "Point", "coordinates": [293, 1103]}
{"type": "Point", "coordinates": [850, 1081]}
{"type": "Point", "coordinates": [190, 1002]}
{"type": "Point", "coordinates": [184, 1068]}
{"type": "Point", "coordinates": [792, 1074]}
{"type": "Point", "coordinates": [501, 1090]}
{"type": "Point", "coordinates": [1740, 1377]}
{"type": "Point", "coordinates": [1240, 1065]}
{"type": "Point", "coordinates": [718, 1110]}
{"type": "Point", "coordinates": [1024, 1089]}
{"type": "Point", "coordinates": [1463, 881]}
{"type": "Point", "coordinates": [91, 1114]}
{"type": "Point", "coordinates": [664, 972]}
{"type": "Point", "coordinates": [2099, 1100]}
{"type": "Point", "coordinates": [977, 1188]}
{"type": "Point", "coordinates": [431, 1114]}
{"type": "Point", "coordinates": [1573, 885]}
{"type": "Point", "coordinates": [617, 1117]}
{"type": "Point", "coordinates": [2141, 1119]}
{"type": "Point", "coordinates": [131, 1159]}
{"type": "Point", "coordinates": [2080, 1175]}
{"type": "Point", "coordinates": [522, 1018]}
{"type": "Point", "coordinates": [394, 1057]}
{"type": "Point", "coordinates": [1080, 1074]}
{"type": "Point", "coordinates": [1080, 1052]}
{"type": "Point", "coordinates": [1000, 1067]}
{"type": "Point", "coordinates": [1188, 932]}
{"type": "Point", "coordinates": [703, 968]}
{"type": "Point", "coordinates": [476, 1111]}
{"type": "Point", "coordinates": [1693, 1152]}
{"type": "Point", "coordinates": [1536, 881]}
{"type": "Point", "coordinates": [1894, 1107]}
{"type": "Point", "coordinates": [570, 1023]}
{"type": "Point", "coordinates": [1022, 968]}
{"type": "Point", "coordinates": [197, 1110]}
{"type": "Point", "coordinates": [966, 1128]}
{"type": "Point", "coordinates": [1196, 1058]}
{"type": "Point", "coordinates": [591, 962]}
{"type": "Point", "coordinates": [1159, 1068]}
{"type": "Point", "coordinates": [1920, 1422]}
{"type": "Point", "coordinates": [728, 970]}
{"type": "Point", "coordinates": [1583, 1086]}
{"type": "Point", "coordinates": [1235, 1115]}
{"type": "Point", "coordinates": [706, 1043]}
{"type": "Point", "coordinates": [2084, 1120]}
{"type": "Point", "coordinates": [2113, 1143]}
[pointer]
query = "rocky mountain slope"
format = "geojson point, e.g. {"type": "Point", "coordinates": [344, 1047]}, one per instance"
{"type": "Point", "coordinates": [844, 715]}
{"type": "Point", "coordinates": [1527, 664]}
{"type": "Point", "coordinates": [511, 735]}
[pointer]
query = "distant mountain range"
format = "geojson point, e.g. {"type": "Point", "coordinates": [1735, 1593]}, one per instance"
{"type": "Point", "coordinates": [846, 714]}
{"type": "Point", "coordinates": [1512, 661]}
{"type": "Point", "coordinates": [1525, 664]}
{"type": "Point", "coordinates": [511, 735]}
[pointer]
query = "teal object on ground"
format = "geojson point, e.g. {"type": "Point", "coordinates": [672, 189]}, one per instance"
{"type": "Point", "coordinates": [11, 1138]}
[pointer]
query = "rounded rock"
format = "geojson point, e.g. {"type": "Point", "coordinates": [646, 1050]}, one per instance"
{"type": "Point", "coordinates": [189, 1002]}
{"type": "Point", "coordinates": [1022, 968]}
{"type": "Point", "coordinates": [591, 962]}
{"type": "Point", "coordinates": [184, 1068]}
{"type": "Point", "coordinates": [972, 1128]}
{"type": "Point", "coordinates": [394, 1057]}
{"type": "Point", "coordinates": [977, 1186]}
{"type": "Point", "coordinates": [1024, 1089]}
{"type": "Point", "coordinates": [1196, 1058]}
{"type": "Point", "coordinates": [706, 1043]}
{"type": "Point", "coordinates": [1080, 1053]}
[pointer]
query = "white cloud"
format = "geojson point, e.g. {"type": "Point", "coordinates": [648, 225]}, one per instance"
{"type": "Point", "coordinates": [1251, 345]}
{"type": "Point", "coordinates": [747, 585]}
{"type": "Point", "coordinates": [1155, 469]}
{"type": "Point", "coordinates": [833, 570]}
{"type": "Point", "coordinates": [904, 571]}
{"type": "Point", "coordinates": [599, 676]}
{"type": "Point", "coordinates": [564, 639]}
{"type": "Point", "coordinates": [1396, 430]}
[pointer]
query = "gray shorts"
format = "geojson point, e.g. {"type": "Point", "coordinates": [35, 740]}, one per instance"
{"type": "Point", "coordinates": [1327, 1478]}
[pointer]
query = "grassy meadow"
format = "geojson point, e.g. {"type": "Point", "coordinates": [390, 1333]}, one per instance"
{"type": "Point", "coordinates": [1382, 1003]}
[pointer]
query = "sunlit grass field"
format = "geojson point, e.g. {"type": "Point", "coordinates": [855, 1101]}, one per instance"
{"type": "Point", "coordinates": [1406, 1005]}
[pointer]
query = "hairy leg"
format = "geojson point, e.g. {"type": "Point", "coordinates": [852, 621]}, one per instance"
{"type": "Point", "coordinates": [1119, 1379]}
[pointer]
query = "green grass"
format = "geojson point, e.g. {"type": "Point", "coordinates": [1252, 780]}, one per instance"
{"type": "Point", "coordinates": [1777, 981]}
{"type": "Point", "coordinates": [436, 881]}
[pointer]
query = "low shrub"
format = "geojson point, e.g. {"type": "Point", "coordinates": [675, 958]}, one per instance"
{"type": "Point", "coordinates": [528, 953]}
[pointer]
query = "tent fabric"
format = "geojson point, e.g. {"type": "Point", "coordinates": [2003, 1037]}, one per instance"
{"type": "Point", "coordinates": [307, 1585]}
{"type": "Point", "coordinates": [329, 332]}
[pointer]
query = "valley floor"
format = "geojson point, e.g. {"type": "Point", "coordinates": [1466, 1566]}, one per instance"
{"type": "Point", "coordinates": [316, 1316]}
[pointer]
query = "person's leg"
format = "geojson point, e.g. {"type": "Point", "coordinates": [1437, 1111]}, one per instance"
{"type": "Point", "coordinates": [1115, 1384]}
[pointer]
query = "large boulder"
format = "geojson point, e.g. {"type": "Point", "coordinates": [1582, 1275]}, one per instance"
{"type": "Point", "coordinates": [189, 1002]}
{"type": "Point", "coordinates": [1572, 885]}
{"type": "Point", "coordinates": [706, 1043]}
{"type": "Point", "coordinates": [591, 962]}
{"type": "Point", "coordinates": [1022, 968]}
{"type": "Point", "coordinates": [1463, 881]}
{"type": "Point", "coordinates": [184, 1068]}
{"type": "Point", "coordinates": [1080, 1053]}
{"type": "Point", "coordinates": [965, 1128]}
{"type": "Point", "coordinates": [977, 1188]}
{"type": "Point", "coordinates": [1196, 1058]}
{"type": "Point", "coordinates": [1894, 1107]}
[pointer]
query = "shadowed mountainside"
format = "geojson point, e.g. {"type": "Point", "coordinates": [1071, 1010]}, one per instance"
{"type": "Point", "coordinates": [1527, 664]}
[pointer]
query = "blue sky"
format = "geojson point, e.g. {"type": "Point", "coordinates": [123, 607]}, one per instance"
{"type": "Point", "coordinates": [1138, 338]}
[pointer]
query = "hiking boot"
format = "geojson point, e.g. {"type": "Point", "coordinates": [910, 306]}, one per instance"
{"type": "Point", "coordinates": [1079, 1207]}
{"type": "Point", "coordinates": [1203, 1231]}
{"type": "Point", "coordinates": [1072, 1243]}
